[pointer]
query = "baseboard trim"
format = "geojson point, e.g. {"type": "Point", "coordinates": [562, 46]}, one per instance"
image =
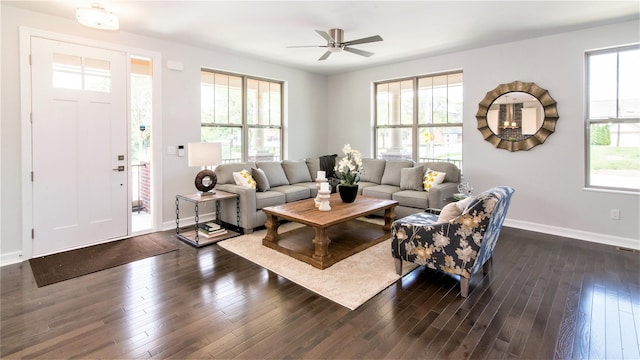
{"type": "Point", "coordinates": [189, 221]}
{"type": "Point", "coordinates": [575, 234]}
{"type": "Point", "coordinates": [10, 258]}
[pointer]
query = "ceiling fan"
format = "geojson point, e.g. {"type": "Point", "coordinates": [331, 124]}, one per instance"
{"type": "Point", "coordinates": [336, 43]}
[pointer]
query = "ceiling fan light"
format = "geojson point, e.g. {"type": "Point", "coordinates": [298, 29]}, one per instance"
{"type": "Point", "coordinates": [97, 17]}
{"type": "Point", "coordinates": [335, 48]}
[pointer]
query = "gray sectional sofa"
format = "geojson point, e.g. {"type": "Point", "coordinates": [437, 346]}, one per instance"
{"type": "Point", "coordinates": [286, 181]}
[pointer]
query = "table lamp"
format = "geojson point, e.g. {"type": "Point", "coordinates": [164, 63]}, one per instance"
{"type": "Point", "coordinates": [202, 155]}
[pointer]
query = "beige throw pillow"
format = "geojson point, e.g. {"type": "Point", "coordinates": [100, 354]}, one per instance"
{"type": "Point", "coordinates": [454, 209]}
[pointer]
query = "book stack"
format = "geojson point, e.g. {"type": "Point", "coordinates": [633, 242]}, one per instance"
{"type": "Point", "coordinates": [210, 230]}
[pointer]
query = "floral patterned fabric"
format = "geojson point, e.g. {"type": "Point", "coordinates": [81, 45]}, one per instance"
{"type": "Point", "coordinates": [460, 246]}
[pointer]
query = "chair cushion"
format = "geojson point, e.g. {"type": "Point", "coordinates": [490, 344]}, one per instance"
{"type": "Point", "coordinates": [296, 171]}
{"type": "Point", "coordinates": [392, 169]}
{"type": "Point", "coordinates": [262, 183]}
{"type": "Point", "coordinates": [411, 178]}
{"type": "Point", "coordinates": [275, 173]}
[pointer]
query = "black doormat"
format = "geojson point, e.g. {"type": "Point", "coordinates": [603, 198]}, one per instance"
{"type": "Point", "coordinates": [70, 264]}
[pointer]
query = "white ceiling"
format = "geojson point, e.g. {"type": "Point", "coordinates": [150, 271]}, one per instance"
{"type": "Point", "coordinates": [410, 29]}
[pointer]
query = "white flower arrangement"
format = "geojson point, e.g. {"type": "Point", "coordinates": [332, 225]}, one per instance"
{"type": "Point", "coordinates": [349, 167]}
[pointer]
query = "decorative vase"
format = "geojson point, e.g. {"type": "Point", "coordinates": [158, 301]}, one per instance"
{"type": "Point", "coordinates": [348, 193]}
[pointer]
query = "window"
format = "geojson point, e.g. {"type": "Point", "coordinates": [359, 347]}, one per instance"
{"type": "Point", "coordinates": [420, 118]}
{"type": "Point", "coordinates": [244, 114]}
{"type": "Point", "coordinates": [80, 73]}
{"type": "Point", "coordinates": [613, 118]}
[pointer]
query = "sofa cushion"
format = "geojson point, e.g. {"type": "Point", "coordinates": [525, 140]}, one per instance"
{"type": "Point", "coordinates": [262, 183]}
{"type": "Point", "coordinates": [313, 188]}
{"type": "Point", "coordinates": [313, 165]}
{"type": "Point", "coordinates": [224, 172]}
{"type": "Point", "coordinates": [392, 169]}
{"type": "Point", "coordinates": [411, 178]}
{"type": "Point", "coordinates": [275, 173]}
{"type": "Point", "coordinates": [269, 198]}
{"type": "Point", "coordinates": [296, 171]}
{"type": "Point", "coordinates": [452, 171]}
{"type": "Point", "coordinates": [380, 191]}
{"type": "Point", "coordinates": [372, 170]}
{"type": "Point", "coordinates": [432, 177]}
{"type": "Point", "coordinates": [365, 184]}
{"type": "Point", "coordinates": [293, 192]}
{"type": "Point", "coordinates": [412, 198]}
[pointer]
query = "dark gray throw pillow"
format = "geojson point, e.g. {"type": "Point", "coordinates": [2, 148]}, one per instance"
{"type": "Point", "coordinates": [262, 183]}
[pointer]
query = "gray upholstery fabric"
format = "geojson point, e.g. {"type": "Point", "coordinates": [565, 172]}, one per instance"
{"type": "Point", "coordinates": [452, 171]}
{"type": "Point", "coordinates": [271, 198]}
{"type": "Point", "coordinates": [411, 178]}
{"type": "Point", "coordinates": [372, 170]}
{"type": "Point", "coordinates": [392, 169]}
{"type": "Point", "coordinates": [224, 172]}
{"type": "Point", "coordinates": [275, 173]}
{"type": "Point", "coordinates": [293, 192]}
{"type": "Point", "coordinates": [365, 184]}
{"type": "Point", "coordinates": [381, 191]}
{"type": "Point", "coordinates": [262, 183]}
{"type": "Point", "coordinates": [313, 187]}
{"type": "Point", "coordinates": [314, 166]}
{"type": "Point", "coordinates": [412, 198]}
{"type": "Point", "coordinates": [296, 171]}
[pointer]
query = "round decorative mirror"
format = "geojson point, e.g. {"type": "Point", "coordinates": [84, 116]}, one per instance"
{"type": "Point", "coordinates": [517, 116]}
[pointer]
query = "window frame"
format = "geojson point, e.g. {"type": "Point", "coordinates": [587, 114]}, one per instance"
{"type": "Point", "coordinates": [415, 125]}
{"type": "Point", "coordinates": [609, 120]}
{"type": "Point", "coordinates": [244, 125]}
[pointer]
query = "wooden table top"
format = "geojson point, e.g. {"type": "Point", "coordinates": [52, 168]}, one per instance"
{"type": "Point", "coordinates": [305, 211]}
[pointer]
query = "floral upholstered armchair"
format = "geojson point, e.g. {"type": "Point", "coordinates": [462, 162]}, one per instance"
{"type": "Point", "coordinates": [459, 243]}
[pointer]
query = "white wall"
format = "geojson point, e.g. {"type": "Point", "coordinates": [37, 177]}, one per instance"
{"type": "Point", "coordinates": [549, 179]}
{"type": "Point", "coordinates": [305, 109]}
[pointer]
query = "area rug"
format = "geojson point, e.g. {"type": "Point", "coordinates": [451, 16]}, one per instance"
{"type": "Point", "coordinates": [70, 264]}
{"type": "Point", "coordinates": [350, 282]}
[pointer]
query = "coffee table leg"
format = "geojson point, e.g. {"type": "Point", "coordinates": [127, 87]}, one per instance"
{"type": "Point", "coordinates": [272, 229]}
{"type": "Point", "coordinates": [389, 216]}
{"type": "Point", "coordinates": [321, 242]}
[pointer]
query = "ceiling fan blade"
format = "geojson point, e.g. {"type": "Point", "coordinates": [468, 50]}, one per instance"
{"type": "Point", "coordinates": [325, 55]}
{"type": "Point", "coordinates": [364, 40]}
{"type": "Point", "coordinates": [307, 46]}
{"type": "Point", "coordinates": [357, 51]}
{"type": "Point", "coordinates": [325, 35]}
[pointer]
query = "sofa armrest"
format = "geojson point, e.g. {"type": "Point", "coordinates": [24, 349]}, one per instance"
{"type": "Point", "coordinates": [247, 201]}
{"type": "Point", "coordinates": [440, 192]}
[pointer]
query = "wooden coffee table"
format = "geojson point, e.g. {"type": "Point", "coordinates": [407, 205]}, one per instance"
{"type": "Point", "coordinates": [337, 227]}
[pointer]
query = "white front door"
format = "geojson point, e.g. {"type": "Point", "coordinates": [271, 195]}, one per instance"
{"type": "Point", "coordinates": [79, 137]}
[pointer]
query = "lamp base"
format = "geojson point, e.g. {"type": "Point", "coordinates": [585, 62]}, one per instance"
{"type": "Point", "coordinates": [206, 180]}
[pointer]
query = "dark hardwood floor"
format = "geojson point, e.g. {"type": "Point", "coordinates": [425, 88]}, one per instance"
{"type": "Point", "coordinates": [546, 297]}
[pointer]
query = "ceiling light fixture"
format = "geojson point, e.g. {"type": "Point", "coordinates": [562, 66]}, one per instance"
{"type": "Point", "coordinates": [97, 17]}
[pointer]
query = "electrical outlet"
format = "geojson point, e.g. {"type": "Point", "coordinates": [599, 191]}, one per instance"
{"type": "Point", "coordinates": [615, 214]}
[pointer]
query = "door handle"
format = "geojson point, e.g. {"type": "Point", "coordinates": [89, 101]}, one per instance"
{"type": "Point", "coordinates": [119, 168]}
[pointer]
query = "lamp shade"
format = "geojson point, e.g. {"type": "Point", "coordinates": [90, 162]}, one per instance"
{"type": "Point", "coordinates": [204, 154]}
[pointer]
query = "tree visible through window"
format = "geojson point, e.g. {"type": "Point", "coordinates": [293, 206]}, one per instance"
{"type": "Point", "coordinates": [244, 114]}
{"type": "Point", "coordinates": [420, 118]}
{"type": "Point", "coordinates": [613, 118]}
